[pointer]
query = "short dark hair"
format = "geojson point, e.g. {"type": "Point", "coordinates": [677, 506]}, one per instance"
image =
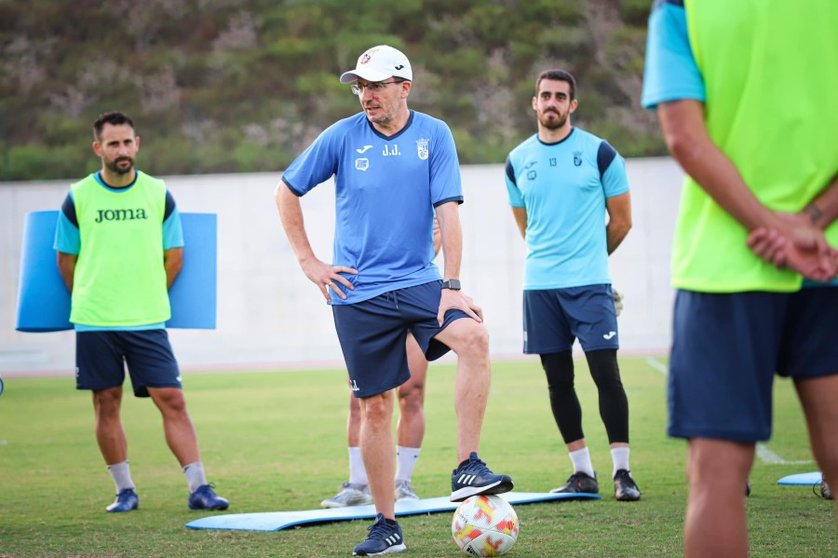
{"type": "Point", "coordinates": [557, 75]}
{"type": "Point", "coordinates": [113, 118]}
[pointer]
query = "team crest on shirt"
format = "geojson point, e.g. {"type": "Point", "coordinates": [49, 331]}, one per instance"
{"type": "Point", "coordinates": [577, 158]}
{"type": "Point", "coordinates": [422, 148]}
{"type": "Point", "coordinates": [362, 164]}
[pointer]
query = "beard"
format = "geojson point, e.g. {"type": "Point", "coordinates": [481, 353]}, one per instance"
{"type": "Point", "coordinates": [115, 165]}
{"type": "Point", "coordinates": [552, 123]}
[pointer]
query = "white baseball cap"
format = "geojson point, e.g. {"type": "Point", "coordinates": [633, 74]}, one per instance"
{"type": "Point", "coordinates": [378, 63]}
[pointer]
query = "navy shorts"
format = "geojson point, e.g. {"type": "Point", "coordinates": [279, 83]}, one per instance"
{"type": "Point", "coordinates": [554, 318]}
{"type": "Point", "coordinates": [726, 349]}
{"type": "Point", "coordinates": [373, 333]}
{"type": "Point", "coordinates": [101, 357]}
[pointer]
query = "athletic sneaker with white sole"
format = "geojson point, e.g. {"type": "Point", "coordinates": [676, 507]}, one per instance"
{"type": "Point", "coordinates": [473, 477]}
{"type": "Point", "coordinates": [384, 537]}
{"type": "Point", "coordinates": [625, 489]}
{"type": "Point", "coordinates": [349, 495]}
{"type": "Point", "coordinates": [404, 491]}
{"type": "Point", "coordinates": [127, 500]}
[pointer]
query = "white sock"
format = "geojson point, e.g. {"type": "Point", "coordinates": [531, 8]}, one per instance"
{"type": "Point", "coordinates": [581, 460]}
{"type": "Point", "coordinates": [121, 475]}
{"type": "Point", "coordinates": [195, 476]}
{"type": "Point", "coordinates": [357, 472]}
{"type": "Point", "coordinates": [407, 458]}
{"type": "Point", "coordinates": [620, 457]}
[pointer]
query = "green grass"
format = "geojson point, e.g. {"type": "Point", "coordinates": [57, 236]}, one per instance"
{"type": "Point", "coordinates": [276, 441]}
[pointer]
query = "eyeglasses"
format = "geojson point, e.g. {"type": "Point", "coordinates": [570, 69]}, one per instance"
{"type": "Point", "coordinates": [374, 87]}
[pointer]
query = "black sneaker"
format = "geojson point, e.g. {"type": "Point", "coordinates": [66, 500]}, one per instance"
{"type": "Point", "coordinates": [384, 537]}
{"type": "Point", "coordinates": [578, 482]}
{"type": "Point", "coordinates": [625, 489]}
{"type": "Point", "coordinates": [473, 477]}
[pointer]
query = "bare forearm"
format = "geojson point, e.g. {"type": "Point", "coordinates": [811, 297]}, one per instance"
{"type": "Point", "coordinates": [67, 268]}
{"type": "Point", "coordinates": [687, 139]}
{"type": "Point", "coordinates": [823, 210]}
{"type": "Point", "coordinates": [173, 262]}
{"type": "Point", "coordinates": [291, 216]}
{"type": "Point", "coordinates": [520, 214]}
{"type": "Point", "coordinates": [452, 239]}
{"type": "Point", "coordinates": [619, 220]}
{"type": "Point", "coordinates": [615, 233]}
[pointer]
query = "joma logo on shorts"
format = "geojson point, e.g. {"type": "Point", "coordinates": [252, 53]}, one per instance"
{"type": "Point", "coordinates": [120, 214]}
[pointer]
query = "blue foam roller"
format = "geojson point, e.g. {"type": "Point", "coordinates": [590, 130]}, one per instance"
{"type": "Point", "coordinates": [277, 521]}
{"type": "Point", "coordinates": [801, 479]}
{"type": "Point", "coordinates": [193, 295]}
{"type": "Point", "coordinates": [43, 300]}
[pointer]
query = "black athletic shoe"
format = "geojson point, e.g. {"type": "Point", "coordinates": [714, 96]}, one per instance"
{"type": "Point", "coordinates": [384, 537]}
{"type": "Point", "coordinates": [473, 477]}
{"type": "Point", "coordinates": [579, 483]}
{"type": "Point", "coordinates": [625, 489]}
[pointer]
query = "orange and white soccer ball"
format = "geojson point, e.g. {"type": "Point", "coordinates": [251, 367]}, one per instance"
{"type": "Point", "coordinates": [485, 526]}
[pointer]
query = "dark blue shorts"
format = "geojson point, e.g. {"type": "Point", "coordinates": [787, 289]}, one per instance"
{"type": "Point", "coordinates": [373, 333]}
{"type": "Point", "coordinates": [101, 357]}
{"type": "Point", "coordinates": [554, 318]}
{"type": "Point", "coordinates": [726, 349]}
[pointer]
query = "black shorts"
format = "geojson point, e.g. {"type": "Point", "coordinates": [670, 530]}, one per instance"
{"type": "Point", "coordinates": [727, 349]}
{"type": "Point", "coordinates": [554, 318]}
{"type": "Point", "coordinates": [373, 333]}
{"type": "Point", "coordinates": [101, 357]}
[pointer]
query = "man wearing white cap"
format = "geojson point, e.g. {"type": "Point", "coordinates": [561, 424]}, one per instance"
{"type": "Point", "coordinates": [394, 168]}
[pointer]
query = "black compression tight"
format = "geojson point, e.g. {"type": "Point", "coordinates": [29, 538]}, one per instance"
{"type": "Point", "coordinates": [613, 404]}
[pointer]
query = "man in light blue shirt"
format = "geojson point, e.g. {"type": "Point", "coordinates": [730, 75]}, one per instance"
{"type": "Point", "coordinates": [561, 183]}
{"type": "Point", "coordinates": [393, 168]}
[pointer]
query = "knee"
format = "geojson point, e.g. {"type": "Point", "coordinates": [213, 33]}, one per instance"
{"type": "Point", "coordinates": [475, 342]}
{"type": "Point", "coordinates": [558, 368]}
{"type": "Point", "coordinates": [718, 460]}
{"type": "Point", "coordinates": [107, 402]}
{"type": "Point", "coordinates": [604, 369]}
{"type": "Point", "coordinates": [377, 410]}
{"type": "Point", "coordinates": [170, 401]}
{"type": "Point", "coordinates": [411, 398]}
{"type": "Point", "coordinates": [354, 409]}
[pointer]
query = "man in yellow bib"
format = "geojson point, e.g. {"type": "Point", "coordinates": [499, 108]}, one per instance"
{"type": "Point", "coordinates": [120, 247]}
{"type": "Point", "coordinates": [744, 92]}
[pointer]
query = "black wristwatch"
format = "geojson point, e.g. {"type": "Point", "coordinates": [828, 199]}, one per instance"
{"type": "Point", "coordinates": [452, 284]}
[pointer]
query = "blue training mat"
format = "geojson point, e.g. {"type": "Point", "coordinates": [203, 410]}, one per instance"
{"type": "Point", "coordinates": [43, 300]}
{"type": "Point", "coordinates": [276, 521]}
{"type": "Point", "coordinates": [802, 478]}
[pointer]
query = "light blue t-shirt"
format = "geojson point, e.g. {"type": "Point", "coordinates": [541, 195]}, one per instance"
{"type": "Point", "coordinates": [386, 189]}
{"type": "Point", "coordinates": [68, 240]}
{"type": "Point", "coordinates": [563, 187]}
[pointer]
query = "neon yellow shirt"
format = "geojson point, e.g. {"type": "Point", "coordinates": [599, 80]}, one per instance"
{"type": "Point", "coordinates": [771, 108]}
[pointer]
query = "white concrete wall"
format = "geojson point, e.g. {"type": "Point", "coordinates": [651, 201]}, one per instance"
{"type": "Point", "coordinates": [270, 315]}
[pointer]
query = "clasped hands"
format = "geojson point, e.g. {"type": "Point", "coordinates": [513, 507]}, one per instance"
{"type": "Point", "coordinates": [794, 243]}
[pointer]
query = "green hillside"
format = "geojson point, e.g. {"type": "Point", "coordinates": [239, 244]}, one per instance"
{"type": "Point", "coordinates": [244, 85]}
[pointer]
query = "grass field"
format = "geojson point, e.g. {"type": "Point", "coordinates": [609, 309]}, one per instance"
{"type": "Point", "coordinates": [276, 441]}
